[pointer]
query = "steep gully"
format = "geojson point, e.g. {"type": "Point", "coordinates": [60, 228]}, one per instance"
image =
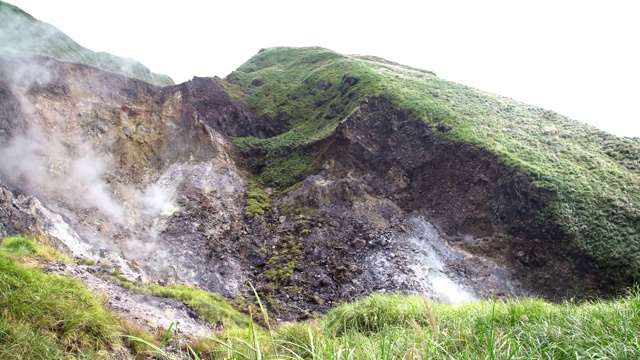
{"type": "Point", "coordinates": [146, 180]}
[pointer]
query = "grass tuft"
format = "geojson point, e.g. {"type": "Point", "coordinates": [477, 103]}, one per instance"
{"type": "Point", "coordinates": [211, 307]}
{"type": "Point", "coordinates": [257, 201]}
{"type": "Point", "coordinates": [47, 314]}
{"type": "Point", "coordinates": [35, 247]}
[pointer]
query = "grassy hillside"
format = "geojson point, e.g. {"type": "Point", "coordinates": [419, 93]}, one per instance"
{"type": "Point", "coordinates": [21, 33]}
{"type": "Point", "coordinates": [594, 176]}
{"type": "Point", "coordinates": [312, 89]}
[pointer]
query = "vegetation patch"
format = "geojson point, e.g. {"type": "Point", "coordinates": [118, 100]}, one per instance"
{"type": "Point", "coordinates": [313, 87]}
{"type": "Point", "coordinates": [592, 175]}
{"type": "Point", "coordinates": [213, 308]}
{"type": "Point", "coordinates": [529, 328]}
{"type": "Point", "coordinates": [35, 247]}
{"type": "Point", "coordinates": [281, 265]}
{"type": "Point", "coordinates": [281, 171]}
{"type": "Point", "coordinates": [257, 201]}
{"type": "Point", "coordinates": [47, 316]}
{"type": "Point", "coordinates": [280, 269]}
{"type": "Point", "coordinates": [412, 327]}
{"type": "Point", "coordinates": [52, 315]}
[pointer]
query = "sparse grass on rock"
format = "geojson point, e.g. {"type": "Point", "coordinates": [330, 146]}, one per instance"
{"type": "Point", "coordinates": [213, 308]}
{"type": "Point", "coordinates": [257, 201]}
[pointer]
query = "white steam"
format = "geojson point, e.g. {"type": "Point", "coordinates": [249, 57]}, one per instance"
{"type": "Point", "coordinates": [85, 183]}
{"type": "Point", "coordinates": [77, 175]}
{"type": "Point", "coordinates": [22, 163]}
{"type": "Point", "coordinates": [156, 200]}
{"type": "Point", "coordinates": [43, 161]}
{"type": "Point", "coordinates": [48, 151]}
{"type": "Point", "coordinates": [430, 255]}
{"type": "Point", "coordinates": [38, 162]}
{"type": "Point", "coordinates": [28, 74]}
{"type": "Point", "coordinates": [46, 168]}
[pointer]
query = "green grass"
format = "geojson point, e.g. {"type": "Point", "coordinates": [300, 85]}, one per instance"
{"type": "Point", "coordinates": [51, 317]}
{"type": "Point", "coordinates": [47, 316]}
{"type": "Point", "coordinates": [314, 89]}
{"type": "Point", "coordinates": [592, 178]}
{"type": "Point", "coordinates": [34, 247]}
{"type": "Point", "coordinates": [211, 307]}
{"type": "Point", "coordinates": [411, 327]}
{"type": "Point", "coordinates": [520, 329]}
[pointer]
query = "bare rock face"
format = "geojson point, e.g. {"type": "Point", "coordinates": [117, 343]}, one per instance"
{"type": "Point", "coordinates": [476, 204]}
{"type": "Point", "coordinates": [147, 178]}
{"type": "Point", "coordinates": [130, 167]}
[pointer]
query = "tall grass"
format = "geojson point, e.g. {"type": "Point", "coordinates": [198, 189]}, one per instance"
{"type": "Point", "coordinates": [412, 327]}
{"type": "Point", "coordinates": [46, 316]}
{"type": "Point", "coordinates": [518, 329]}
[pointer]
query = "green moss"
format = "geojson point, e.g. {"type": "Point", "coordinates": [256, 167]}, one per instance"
{"type": "Point", "coordinates": [87, 262]}
{"type": "Point", "coordinates": [281, 273]}
{"type": "Point", "coordinates": [281, 171]}
{"type": "Point", "coordinates": [281, 265]}
{"type": "Point", "coordinates": [257, 201]}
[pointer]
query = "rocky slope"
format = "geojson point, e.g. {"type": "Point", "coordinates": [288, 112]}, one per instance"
{"type": "Point", "coordinates": [320, 178]}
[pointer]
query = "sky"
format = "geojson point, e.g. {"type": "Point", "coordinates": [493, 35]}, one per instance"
{"type": "Point", "coordinates": [578, 58]}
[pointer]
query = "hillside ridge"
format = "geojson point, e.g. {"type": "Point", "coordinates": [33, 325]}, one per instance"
{"type": "Point", "coordinates": [588, 177]}
{"type": "Point", "coordinates": [22, 34]}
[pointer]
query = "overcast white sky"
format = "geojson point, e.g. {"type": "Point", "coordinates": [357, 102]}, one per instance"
{"type": "Point", "coordinates": [579, 58]}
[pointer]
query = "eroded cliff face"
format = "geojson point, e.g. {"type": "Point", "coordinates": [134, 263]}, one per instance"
{"type": "Point", "coordinates": [110, 165]}
{"type": "Point", "coordinates": [477, 205]}
{"type": "Point", "coordinates": [131, 167]}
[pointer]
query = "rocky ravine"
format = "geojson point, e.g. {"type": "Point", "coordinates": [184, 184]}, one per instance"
{"type": "Point", "coordinates": [147, 179]}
